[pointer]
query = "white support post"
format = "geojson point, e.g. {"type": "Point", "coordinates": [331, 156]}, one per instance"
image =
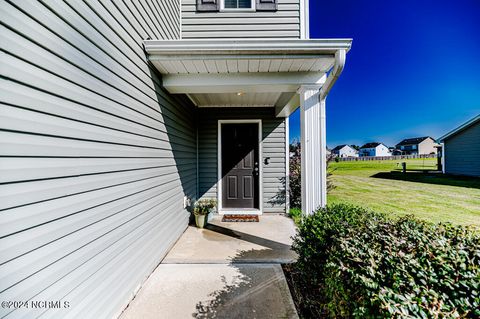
{"type": "Point", "coordinates": [313, 144]}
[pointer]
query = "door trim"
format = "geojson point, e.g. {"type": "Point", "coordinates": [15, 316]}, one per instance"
{"type": "Point", "coordinates": [249, 211]}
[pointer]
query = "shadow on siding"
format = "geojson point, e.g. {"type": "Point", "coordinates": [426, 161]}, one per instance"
{"type": "Point", "coordinates": [179, 116]}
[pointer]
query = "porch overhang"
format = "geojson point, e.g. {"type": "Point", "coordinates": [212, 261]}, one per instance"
{"type": "Point", "coordinates": [244, 73]}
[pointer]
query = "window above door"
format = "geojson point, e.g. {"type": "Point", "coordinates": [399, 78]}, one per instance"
{"type": "Point", "coordinates": [237, 4]}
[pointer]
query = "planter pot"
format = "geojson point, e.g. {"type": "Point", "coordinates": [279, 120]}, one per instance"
{"type": "Point", "coordinates": [211, 213]}
{"type": "Point", "coordinates": [200, 220]}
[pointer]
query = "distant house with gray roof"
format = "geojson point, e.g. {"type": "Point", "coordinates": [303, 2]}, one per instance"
{"type": "Point", "coordinates": [417, 146]}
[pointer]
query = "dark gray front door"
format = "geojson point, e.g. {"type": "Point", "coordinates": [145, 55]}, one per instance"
{"type": "Point", "coordinates": [240, 165]}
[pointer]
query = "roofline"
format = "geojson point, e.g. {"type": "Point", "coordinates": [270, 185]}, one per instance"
{"type": "Point", "coordinates": [342, 146]}
{"type": "Point", "coordinates": [247, 46]}
{"type": "Point", "coordinates": [460, 128]}
{"type": "Point", "coordinates": [424, 138]}
{"type": "Point", "coordinates": [379, 143]}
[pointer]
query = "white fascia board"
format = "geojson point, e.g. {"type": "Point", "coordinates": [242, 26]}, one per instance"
{"type": "Point", "coordinates": [214, 56]}
{"type": "Point", "coordinates": [233, 105]}
{"type": "Point", "coordinates": [460, 128]}
{"type": "Point", "coordinates": [240, 82]}
{"type": "Point", "coordinates": [246, 46]}
{"type": "Point", "coordinates": [287, 104]}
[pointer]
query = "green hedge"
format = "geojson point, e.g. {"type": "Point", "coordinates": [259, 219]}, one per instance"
{"type": "Point", "coordinates": [296, 214]}
{"type": "Point", "coordinates": [355, 263]}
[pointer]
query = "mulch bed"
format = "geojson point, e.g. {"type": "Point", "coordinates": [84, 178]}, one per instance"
{"type": "Point", "coordinates": [240, 218]}
{"type": "Point", "coordinates": [303, 294]}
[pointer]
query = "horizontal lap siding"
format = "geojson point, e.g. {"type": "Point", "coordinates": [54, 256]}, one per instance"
{"type": "Point", "coordinates": [462, 152]}
{"type": "Point", "coordinates": [95, 157]}
{"type": "Point", "coordinates": [273, 145]}
{"type": "Point", "coordinates": [284, 23]}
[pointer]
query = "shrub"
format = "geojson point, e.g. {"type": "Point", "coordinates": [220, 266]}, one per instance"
{"type": "Point", "coordinates": [295, 213]}
{"type": "Point", "coordinates": [204, 206]}
{"type": "Point", "coordinates": [295, 175]}
{"type": "Point", "coordinates": [295, 180]}
{"type": "Point", "coordinates": [355, 263]}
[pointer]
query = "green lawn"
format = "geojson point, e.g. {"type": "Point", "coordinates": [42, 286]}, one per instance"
{"type": "Point", "coordinates": [381, 186]}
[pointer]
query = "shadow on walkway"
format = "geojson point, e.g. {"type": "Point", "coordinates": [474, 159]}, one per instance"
{"type": "Point", "coordinates": [227, 270]}
{"type": "Point", "coordinates": [247, 237]}
{"type": "Point", "coordinates": [256, 291]}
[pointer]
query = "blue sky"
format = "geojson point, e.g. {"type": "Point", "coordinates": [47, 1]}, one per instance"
{"type": "Point", "coordinates": [414, 68]}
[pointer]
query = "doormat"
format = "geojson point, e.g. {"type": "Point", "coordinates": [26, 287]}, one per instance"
{"type": "Point", "coordinates": [240, 218]}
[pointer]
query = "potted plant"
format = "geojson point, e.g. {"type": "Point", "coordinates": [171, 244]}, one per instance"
{"type": "Point", "coordinates": [201, 210]}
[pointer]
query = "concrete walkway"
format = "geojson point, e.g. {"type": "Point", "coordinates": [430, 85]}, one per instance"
{"type": "Point", "coordinates": [267, 241]}
{"type": "Point", "coordinates": [228, 270]}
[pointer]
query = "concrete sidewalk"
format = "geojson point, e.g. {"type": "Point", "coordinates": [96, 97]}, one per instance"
{"type": "Point", "coordinates": [228, 270]}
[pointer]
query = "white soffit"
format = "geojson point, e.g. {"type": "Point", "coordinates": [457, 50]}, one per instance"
{"type": "Point", "coordinates": [244, 64]}
{"type": "Point", "coordinates": [240, 82]}
{"type": "Point", "coordinates": [243, 56]}
{"type": "Point", "coordinates": [248, 99]}
{"type": "Point", "coordinates": [268, 72]}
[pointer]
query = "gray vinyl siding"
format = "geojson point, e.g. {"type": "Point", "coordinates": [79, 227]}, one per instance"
{"type": "Point", "coordinates": [273, 145]}
{"type": "Point", "coordinates": [95, 157]}
{"type": "Point", "coordinates": [284, 23]}
{"type": "Point", "coordinates": [462, 152]}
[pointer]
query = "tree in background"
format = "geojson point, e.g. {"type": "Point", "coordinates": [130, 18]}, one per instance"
{"type": "Point", "coordinates": [295, 175]}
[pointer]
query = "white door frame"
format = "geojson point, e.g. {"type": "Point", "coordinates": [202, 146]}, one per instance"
{"type": "Point", "coordinates": [248, 211]}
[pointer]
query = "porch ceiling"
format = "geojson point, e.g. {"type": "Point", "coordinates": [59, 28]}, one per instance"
{"type": "Point", "coordinates": [242, 64]}
{"type": "Point", "coordinates": [259, 72]}
{"type": "Point", "coordinates": [249, 99]}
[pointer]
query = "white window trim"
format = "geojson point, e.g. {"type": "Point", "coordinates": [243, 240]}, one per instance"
{"type": "Point", "coordinates": [220, 209]}
{"type": "Point", "coordinates": [223, 9]}
{"type": "Point", "coordinates": [304, 19]}
{"type": "Point", "coordinates": [181, 20]}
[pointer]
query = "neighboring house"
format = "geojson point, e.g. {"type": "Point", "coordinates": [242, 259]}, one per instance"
{"type": "Point", "coordinates": [417, 146]}
{"type": "Point", "coordinates": [374, 149]}
{"type": "Point", "coordinates": [117, 114]}
{"type": "Point", "coordinates": [461, 149]}
{"type": "Point", "coordinates": [345, 151]}
{"type": "Point", "coordinates": [395, 151]}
